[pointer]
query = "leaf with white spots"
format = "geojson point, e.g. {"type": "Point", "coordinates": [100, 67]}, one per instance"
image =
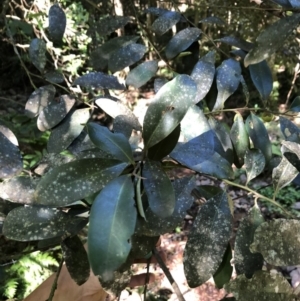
{"type": "Point", "coordinates": [37, 53]}
{"type": "Point", "coordinates": [254, 163]}
{"type": "Point", "coordinates": [73, 181]}
{"type": "Point", "coordinates": [142, 245]}
{"type": "Point", "coordinates": [55, 112]}
{"type": "Point", "coordinates": [271, 39]}
{"type": "Point", "coordinates": [236, 42]}
{"type": "Point", "coordinates": [291, 151]}
{"type": "Point", "coordinates": [158, 188]}
{"type": "Point", "coordinates": [278, 241]}
{"type": "Point", "coordinates": [165, 21]}
{"type": "Point", "coordinates": [208, 240]}
{"type": "Point", "coordinates": [262, 286]}
{"type": "Point", "coordinates": [203, 75]}
{"type": "Point", "coordinates": [112, 143]}
{"type": "Point", "coordinates": [245, 261]}
{"type": "Point", "coordinates": [57, 23]}
{"type": "Point", "coordinates": [158, 83]}
{"type": "Point", "coordinates": [38, 100]}
{"type": "Point", "coordinates": [68, 130]}
{"type": "Point", "coordinates": [181, 41]}
{"type": "Point", "coordinates": [228, 78]}
{"type": "Point", "coordinates": [109, 24]}
{"type": "Point", "coordinates": [37, 223]}
{"type": "Point", "coordinates": [168, 108]}
{"type": "Point", "coordinates": [112, 222]}
{"type": "Point", "coordinates": [54, 76]}
{"type": "Point", "coordinates": [290, 131]}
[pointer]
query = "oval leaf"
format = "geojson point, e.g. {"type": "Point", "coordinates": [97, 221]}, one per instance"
{"type": "Point", "coordinates": [57, 23]}
{"type": "Point", "coordinates": [237, 42]}
{"type": "Point", "coordinates": [254, 163]}
{"type": "Point", "coordinates": [295, 106]}
{"type": "Point", "coordinates": [37, 53]}
{"type": "Point", "coordinates": [290, 131]}
{"type": "Point", "coordinates": [109, 24]}
{"type": "Point", "coordinates": [54, 77]}
{"type": "Point", "coordinates": [165, 22]}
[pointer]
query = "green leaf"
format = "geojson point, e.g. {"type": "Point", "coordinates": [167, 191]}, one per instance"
{"type": "Point", "coordinates": [158, 83]}
{"type": "Point", "coordinates": [98, 80]}
{"type": "Point", "coordinates": [109, 24]}
{"type": "Point", "coordinates": [261, 76]}
{"type": "Point", "coordinates": [181, 41]}
{"type": "Point", "coordinates": [76, 259]}
{"type": "Point", "coordinates": [143, 245]}
{"type": "Point", "coordinates": [126, 56]}
{"type": "Point", "coordinates": [37, 53]}
{"type": "Point", "coordinates": [208, 240]}
{"type": "Point", "coordinates": [55, 112]}
{"type": "Point", "coordinates": [158, 188]}
{"type": "Point", "coordinates": [259, 135]}
{"type": "Point", "coordinates": [112, 222]}
{"type": "Point", "coordinates": [295, 106]}
{"type": "Point", "coordinates": [224, 272]}
{"type": "Point", "coordinates": [254, 163]}
{"type": "Point", "coordinates": [272, 39]}
{"type": "Point", "coordinates": [263, 286]}
{"type": "Point", "coordinates": [141, 74]}
{"type": "Point", "coordinates": [291, 151]}
{"type": "Point", "coordinates": [38, 100]}
{"type": "Point", "coordinates": [278, 242]}
{"type": "Point", "coordinates": [73, 181]}
{"type": "Point", "coordinates": [213, 20]}
{"type": "Point", "coordinates": [165, 22]}
{"type": "Point", "coordinates": [168, 108]}
{"type": "Point", "coordinates": [203, 75]}
{"type": "Point", "coordinates": [57, 23]}
{"type": "Point", "coordinates": [236, 42]}
{"type": "Point", "coordinates": [240, 139]}
{"type": "Point", "coordinates": [69, 129]}
{"type": "Point", "coordinates": [55, 77]}
{"type": "Point", "coordinates": [35, 223]}
{"type": "Point", "coordinates": [112, 143]}
{"type": "Point", "coordinates": [246, 262]}
{"type": "Point", "coordinates": [228, 78]}
{"type": "Point", "coordinates": [165, 146]}
{"type": "Point", "coordinates": [290, 131]}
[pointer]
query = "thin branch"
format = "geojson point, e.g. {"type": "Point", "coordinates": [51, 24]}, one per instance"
{"type": "Point", "coordinates": [54, 285]}
{"type": "Point", "coordinates": [147, 279]}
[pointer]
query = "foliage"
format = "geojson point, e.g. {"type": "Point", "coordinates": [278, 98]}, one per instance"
{"type": "Point", "coordinates": [116, 176]}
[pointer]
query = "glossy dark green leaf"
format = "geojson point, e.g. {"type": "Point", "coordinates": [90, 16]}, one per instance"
{"type": "Point", "coordinates": [112, 143]}
{"type": "Point", "coordinates": [271, 39]}
{"type": "Point", "coordinates": [98, 80]}
{"type": "Point", "coordinates": [239, 138]}
{"type": "Point", "coordinates": [141, 74]}
{"type": "Point", "coordinates": [208, 240]}
{"type": "Point", "coordinates": [261, 76]}
{"type": "Point", "coordinates": [35, 223]}
{"type": "Point", "coordinates": [10, 158]}
{"type": "Point", "coordinates": [259, 135]}
{"type": "Point", "coordinates": [278, 242]}
{"type": "Point", "coordinates": [213, 20]}
{"type": "Point", "coordinates": [158, 188]}
{"type": "Point", "coordinates": [19, 189]}
{"type": "Point", "coordinates": [142, 245]}
{"type": "Point", "coordinates": [157, 11]}
{"type": "Point", "coordinates": [245, 261]}
{"type": "Point", "coordinates": [55, 112]}
{"type": "Point", "coordinates": [109, 24]}
{"type": "Point", "coordinates": [37, 53]}
{"type": "Point", "coordinates": [69, 129]}
{"type": "Point", "coordinates": [291, 151]}
{"type": "Point", "coordinates": [262, 286]}
{"type": "Point", "coordinates": [122, 125]}
{"type": "Point", "coordinates": [73, 181]}
{"type": "Point", "coordinates": [237, 42]}
{"type": "Point", "coordinates": [290, 131]}
{"type": "Point", "coordinates": [112, 222]}
{"type": "Point", "coordinates": [38, 100]}
{"type": "Point", "coordinates": [203, 75]}
{"type": "Point", "coordinates": [57, 23]}
{"type": "Point", "coordinates": [168, 108]}
{"type": "Point", "coordinates": [76, 259]}
{"type": "Point", "coordinates": [165, 22]}
{"type": "Point", "coordinates": [181, 41]}
{"type": "Point", "coordinates": [165, 146]}
{"type": "Point", "coordinates": [54, 76]}
{"type": "Point", "coordinates": [100, 56]}
{"type": "Point", "coordinates": [295, 106]}
{"type": "Point", "coordinates": [254, 163]}
{"type": "Point", "coordinates": [228, 78]}
{"type": "Point", "coordinates": [126, 56]}
{"type": "Point", "coordinates": [207, 191]}
{"type": "Point", "coordinates": [158, 83]}
{"type": "Point", "coordinates": [224, 272]}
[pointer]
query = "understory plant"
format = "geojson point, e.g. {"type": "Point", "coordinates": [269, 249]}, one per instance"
{"type": "Point", "coordinates": [115, 177]}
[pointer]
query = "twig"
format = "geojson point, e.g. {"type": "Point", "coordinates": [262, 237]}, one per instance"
{"type": "Point", "coordinates": [296, 74]}
{"type": "Point", "coordinates": [147, 279]}
{"type": "Point", "coordinates": [168, 275]}
{"type": "Point", "coordinates": [54, 285]}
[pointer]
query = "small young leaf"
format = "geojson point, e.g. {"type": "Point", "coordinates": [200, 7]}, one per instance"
{"type": "Point", "coordinates": [203, 75]}
{"type": "Point", "coordinates": [295, 106]}
{"type": "Point", "coordinates": [98, 80]}
{"type": "Point", "coordinates": [254, 163]}
{"type": "Point", "coordinates": [112, 223]}
{"type": "Point", "coordinates": [37, 53]}
{"type": "Point", "coordinates": [126, 56]}
{"type": "Point", "coordinates": [261, 76]}
{"type": "Point", "coordinates": [141, 74]}
{"type": "Point", "coordinates": [207, 240]}
{"type": "Point", "coordinates": [278, 242]}
{"type": "Point", "coordinates": [158, 188]}
{"type": "Point", "coordinates": [109, 24]}
{"type": "Point", "coordinates": [112, 143]}
{"type": "Point", "coordinates": [73, 181]}
{"type": "Point", "coordinates": [165, 22]}
{"type": "Point", "coordinates": [245, 261]}
{"type": "Point", "coordinates": [290, 131]}
{"type": "Point", "coordinates": [228, 78]}
{"type": "Point", "coordinates": [168, 108]}
{"type": "Point", "coordinates": [57, 23]}
{"type": "Point", "coordinates": [181, 41]}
